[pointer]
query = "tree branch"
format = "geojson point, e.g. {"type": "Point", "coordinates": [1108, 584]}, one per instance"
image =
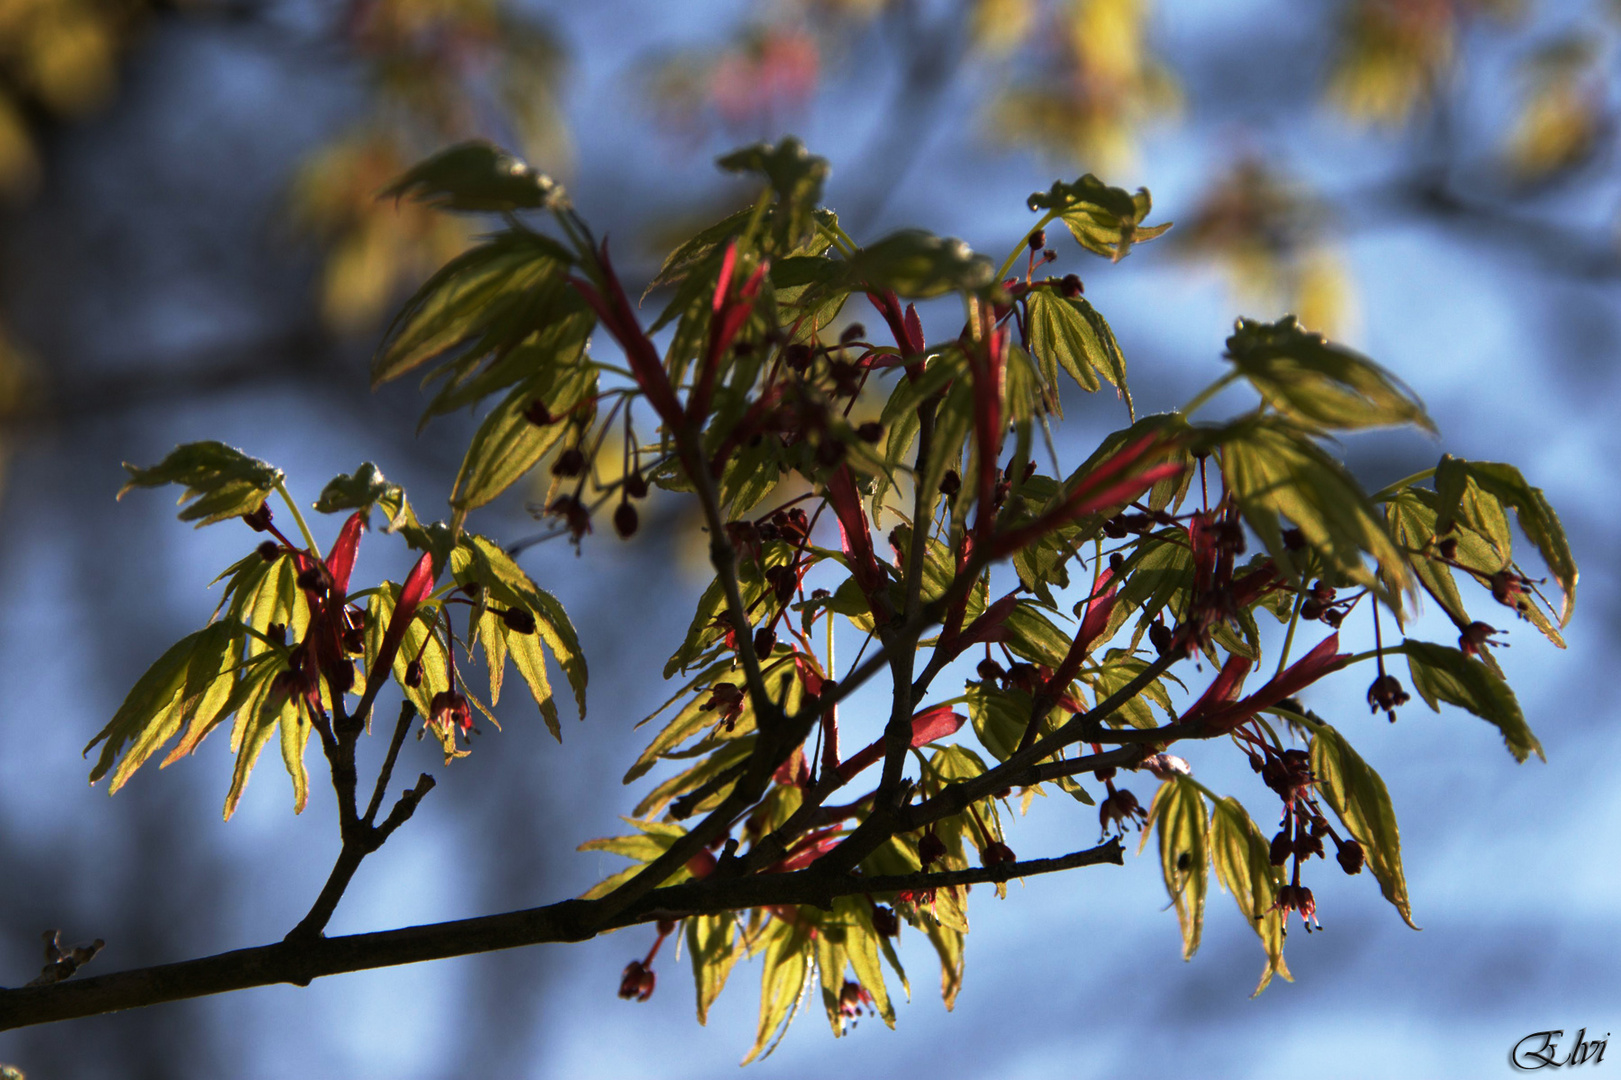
{"type": "Point", "coordinates": [300, 961]}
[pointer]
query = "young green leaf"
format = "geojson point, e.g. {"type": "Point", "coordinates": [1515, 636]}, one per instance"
{"type": "Point", "coordinates": [796, 177]}
{"type": "Point", "coordinates": [1279, 476]}
{"type": "Point", "coordinates": [1178, 811]}
{"type": "Point", "coordinates": [477, 177]}
{"type": "Point", "coordinates": [224, 481]}
{"type": "Point", "coordinates": [1308, 379]}
{"type": "Point", "coordinates": [264, 709]}
{"type": "Point", "coordinates": [1239, 854]}
{"type": "Point", "coordinates": [497, 293]}
{"type": "Point", "coordinates": [712, 943]}
{"type": "Point", "coordinates": [782, 983]}
{"type": "Point", "coordinates": [918, 265]}
{"type": "Point", "coordinates": [477, 559]}
{"type": "Point", "coordinates": [364, 489]}
{"type": "Point", "coordinates": [1104, 220]}
{"type": "Point", "coordinates": [189, 684]}
{"type": "Point", "coordinates": [948, 943]}
{"type": "Point", "coordinates": [863, 943]}
{"type": "Point", "coordinates": [1071, 333]}
{"type": "Point", "coordinates": [1358, 796]}
{"type": "Point", "coordinates": [1441, 673]}
{"type": "Point", "coordinates": [1531, 509]}
{"type": "Point", "coordinates": [507, 443]}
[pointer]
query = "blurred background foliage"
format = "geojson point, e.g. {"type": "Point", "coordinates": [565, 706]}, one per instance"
{"type": "Point", "coordinates": [1079, 82]}
{"type": "Point", "coordinates": [93, 368]}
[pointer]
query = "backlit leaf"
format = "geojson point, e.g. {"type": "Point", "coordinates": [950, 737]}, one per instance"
{"type": "Point", "coordinates": [1441, 673]}
{"type": "Point", "coordinates": [1311, 380]}
{"type": "Point", "coordinates": [1104, 220]}
{"type": "Point", "coordinates": [477, 177]}
{"type": "Point", "coordinates": [1531, 509]}
{"type": "Point", "coordinates": [477, 559]}
{"type": "Point", "coordinates": [782, 983]}
{"type": "Point", "coordinates": [918, 265]}
{"type": "Point", "coordinates": [1243, 865]}
{"type": "Point", "coordinates": [224, 481]}
{"type": "Point", "coordinates": [507, 444]}
{"type": "Point", "coordinates": [794, 174]}
{"type": "Point", "coordinates": [948, 944]}
{"type": "Point", "coordinates": [1358, 796]}
{"type": "Point", "coordinates": [363, 489]}
{"type": "Point", "coordinates": [1279, 477]}
{"type": "Point", "coordinates": [1178, 811]}
{"type": "Point", "coordinates": [1071, 333]}
{"type": "Point", "coordinates": [188, 684]}
{"type": "Point", "coordinates": [712, 943]}
{"type": "Point", "coordinates": [498, 293]}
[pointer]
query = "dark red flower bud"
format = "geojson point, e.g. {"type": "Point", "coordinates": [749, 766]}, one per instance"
{"type": "Point", "coordinates": [1071, 286]}
{"type": "Point", "coordinates": [829, 452]}
{"type": "Point", "coordinates": [1294, 539]}
{"type": "Point", "coordinates": [666, 927]}
{"type": "Point", "coordinates": [1350, 857]}
{"type": "Point", "coordinates": [1283, 845]}
{"type": "Point", "coordinates": [990, 670]}
{"type": "Point", "coordinates": [798, 356]}
{"type": "Point", "coordinates": [996, 852]}
{"type": "Point", "coordinates": [519, 620]}
{"type": "Point", "coordinates": [1115, 528]}
{"type": "Point", "coordinates": [870, 432]}
{"type": "Point", "coordinates": [449, 707]}
{"type": "Point", "coordinates": [1311, 609]}
{"type": "Point", "coordinates": [854, 1000]}
{"type": "Point", "coordinates": [354, 640]}
{"type": "Point", "coordinates": [269, 551]}
{"type": "Point", "coordinates": [314, 579]}
{"type": "Point", "coordinates": [637, 982]}
{"type": "Point", "coordinates": [1162, 637]}
{"type": "Point", "coordinates": [413, 674]}
{"type": "Point", "coordinates": [626, 520]}
{"type": "Point", "coordinates": [950, 483]}
{"type": "Point", "coordinates": [259, 520]}
{"type": "Point", "coordinates": [1038, 239]}
{"type": "Point", "coordinates": [569, 463]}
{"type": "Point", "coordinates": [854, 332]}
{"type": "Point", "coordinates": [538, 414]}
{"type": "Point", "coordinates": [1105, 774]}
{"type": "Point", "coordinates": [574, 513]}
{"type": "Point", "coordinates": [930, 849]}
{"type": "Point", "coordinates": [1386, 693]}
{"type": "Point", "coordinates": [1121, 809]}
{"type": "Point", "coordinates": [765, 639]}
{"type": "Point", "coordinates": [885, 922]}
{"type": "Point", "coordinates": [1448, 548]}
{"type": "Point", "coordinates": [277, 631]}
{"type": "Point", "coordinates": [1508, 589]}
{"type": "Point", "coordinates": [1475, 637]}
{"type": "Point", "coordinates": [635, 486]}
